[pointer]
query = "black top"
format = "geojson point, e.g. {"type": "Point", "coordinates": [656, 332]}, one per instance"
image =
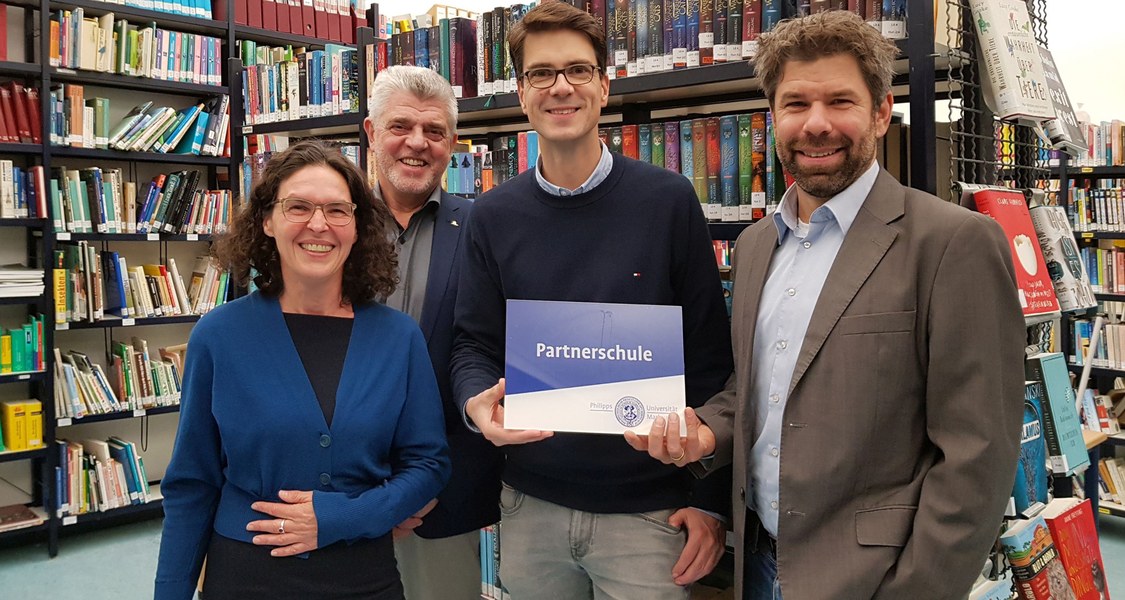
{"type": "Point", "coordinates": [322, 344]}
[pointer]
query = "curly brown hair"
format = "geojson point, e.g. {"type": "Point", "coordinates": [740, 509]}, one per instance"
{"type": "Point", "coordinates": [554, 16]}
{"type": "Point", "coordinates": [822, 35]}
{"type": "Point", "coordinates": [371, 270]}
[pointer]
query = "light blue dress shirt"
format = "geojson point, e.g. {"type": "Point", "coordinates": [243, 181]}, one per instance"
{"type": "Point", "coordinates": [800, 265]}
{"type": "Point", "coordinates": [601, 171]}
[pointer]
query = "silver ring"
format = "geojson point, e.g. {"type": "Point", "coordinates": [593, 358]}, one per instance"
{"type": "Point", "coordinates": [281, 526]}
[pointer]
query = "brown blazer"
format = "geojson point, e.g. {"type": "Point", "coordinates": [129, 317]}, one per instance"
{"type": "Point", "coordinates": [900, 435]}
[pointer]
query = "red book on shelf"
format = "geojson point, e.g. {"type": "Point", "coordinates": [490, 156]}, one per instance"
{"type": "Point", "coordinates": [1071, 522]}
{"type": "Point", "coordinates": [320, 19]}
{"type": "Point", "coordinates": [32, 100]}
{"type": "Point", "coordinates": [282, 8]}
{"type": "Point", "coordinates": [629, 141]}
{"type": "Point", "coordinates": [3, 32]}
{"type": "Point", "coordinates": [8, 116]}
{"type": "Point", "coordinates": [332, 15]}
{"type": "Point", "coordinates": [296, 21]}
{"type": "Point", "coordinates": [1009, 209]}
{"type": "Point", "coordinates": [19, 102]}
{"type": "Point", "coordinates": [253, 12]}
{"type": "Point", "coordinates": [269, 15]}
{"type": "Point", "coordinates": [240, 11]}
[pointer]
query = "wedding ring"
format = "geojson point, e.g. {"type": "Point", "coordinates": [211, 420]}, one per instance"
{"type": "Point", "coordinates": [683, 453]}
{"type": "Point", "coordinates": [281, 524]}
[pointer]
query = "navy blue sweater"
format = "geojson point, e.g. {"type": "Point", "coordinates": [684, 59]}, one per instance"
{"type": "Point", "coordinates": [639, 238]}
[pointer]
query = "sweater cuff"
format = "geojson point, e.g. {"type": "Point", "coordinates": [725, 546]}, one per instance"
{"type": "Point", "coordinates": [179, 589]}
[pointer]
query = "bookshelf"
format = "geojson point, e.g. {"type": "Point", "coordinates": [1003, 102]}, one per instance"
{"type": "Point", "coordinates": [711, 89]}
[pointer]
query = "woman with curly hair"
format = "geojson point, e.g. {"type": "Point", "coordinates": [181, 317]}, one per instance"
{"type": "Point", "coordinates": [311, 422]}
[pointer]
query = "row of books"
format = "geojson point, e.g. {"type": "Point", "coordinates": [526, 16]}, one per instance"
{"type": "Point", "coordinates": [730, 160]}
{"type": "Point", "coordinates": [21, 191]}
{"type": "Point", "coordinates": [1101, 412]}
{"type": "Point", "coordinates": [136, 380]}
{"type": "Point", "coordinates": [81, 122]}
{"type": "Point", "coordinates": [99, 200]}
{"type": "Point", "coordinates": [109, 45]}
{"type": "Point", "coordinates": [1055, 554]}
{"type": "Point", "coordinates": [1098, 208]}
{"type": "Point", "coordinates": [490, 586]}
{"type": "Point", "coordinates": [21, 425]}
{"type": "Point", "coordinates": [1106, 267]}
{"type": "Point", "coordinates": [287, 84]}
{"type": "Point", "coordinates": [200, 9]}
{"type": "Point", "coordinates": [1105, 144]}
{"type": "Point", "coordinates": [21, 348]}
{"type": "Point", "coordinates": [19, 114]}
{"type": "Point", "coordinates": [92, 285]}
{"type": "Point", "coordinates": [643, 36]}
{"type": "Point", "coordinates": [334, 20]}
{"type": "Point", "coordinates": [1111, 472]}
{"type": "Point", "coordinates": [99, 475]}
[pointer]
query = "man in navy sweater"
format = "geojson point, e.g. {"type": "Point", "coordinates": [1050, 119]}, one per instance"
{"type": "Point", "coordinates": [583, 515]}
{"type": "Point", "coordinates": [411, 130]}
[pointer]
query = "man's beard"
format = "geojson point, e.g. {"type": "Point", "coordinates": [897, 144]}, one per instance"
{"type": "Point", "coordinates": [827, 183]}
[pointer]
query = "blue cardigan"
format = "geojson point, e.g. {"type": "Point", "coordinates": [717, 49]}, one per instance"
{"type": "Point", "coordinates": [250, 426]}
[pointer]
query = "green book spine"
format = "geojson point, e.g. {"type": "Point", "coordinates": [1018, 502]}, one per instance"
{"type": "Point", "coordinates": [745, 177]}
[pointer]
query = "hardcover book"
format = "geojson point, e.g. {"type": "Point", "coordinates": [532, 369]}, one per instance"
{"type": "Point", "coordinates": [1015, 86]}
{"type": "Point", "coordinates": [1060, 254]}
{"type": "Point", "coordinates": [1036, 568]}
{"type": "Point", "coordinates": [1065, 445]}
{"type": "Point", "coordinates": [1071, 522]}
{"type": "Point", "coordinates": [1009, 209]}
{"type": "Point", "coordinates": [1030, 489]}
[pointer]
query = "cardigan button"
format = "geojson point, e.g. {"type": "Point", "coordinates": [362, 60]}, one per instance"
{"type": "Point", "coordinates": [325, 479]}
{"type": "Point", "coordinates": [325, 441]}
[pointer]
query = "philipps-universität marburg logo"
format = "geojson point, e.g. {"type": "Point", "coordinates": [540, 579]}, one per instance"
{"type": "Point", "coordinates": [630, 412]}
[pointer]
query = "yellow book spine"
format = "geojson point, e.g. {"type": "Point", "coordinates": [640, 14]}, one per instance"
{"type": "Point", "coordinates": [13, 421]}
{"type": "Point", "coordinates": [33, 415]}
{"type": "Point", "coordinates": [59, 276]}
{"type": "Point", "coordinates": [5, 353]}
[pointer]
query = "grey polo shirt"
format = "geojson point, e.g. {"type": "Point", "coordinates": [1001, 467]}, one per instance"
{"type": "Point", "coordinates": [414, 245]}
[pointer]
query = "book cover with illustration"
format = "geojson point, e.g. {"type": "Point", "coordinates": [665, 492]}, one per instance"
{"type": "Point", "coordinates": [1015, 85]}
{"type": "Point", "coordinates": [1071, 522]}
{"type": "Point", "coordinates": [1036, 568]}
{"type": "Point", "coordinates": [1060, 254]}
{"type": "Point", "coordinates": [1009, 209]}
{"type": "Point", "coordinates": [1030, 489]}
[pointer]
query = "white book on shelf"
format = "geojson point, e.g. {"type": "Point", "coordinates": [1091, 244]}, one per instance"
{"type": "Point", "coordinates": [1013, 80]}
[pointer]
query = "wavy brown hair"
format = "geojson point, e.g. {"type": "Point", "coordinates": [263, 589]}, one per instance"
{"type": "Point", "coordinates": [371, 270]}
{"type": "Point", "coordinates": [822, 35]}
{"type": "Point", "coordinates": [555, 16]}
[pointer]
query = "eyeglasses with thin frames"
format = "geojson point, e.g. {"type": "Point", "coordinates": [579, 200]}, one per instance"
{"type": "Point", "coordinates": [545, 77]}
{"type": "Point", "coordinates": [299, 210]}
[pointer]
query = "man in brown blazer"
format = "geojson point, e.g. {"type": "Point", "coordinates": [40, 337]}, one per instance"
{"type": "Point", "coordinates": [874, 413]}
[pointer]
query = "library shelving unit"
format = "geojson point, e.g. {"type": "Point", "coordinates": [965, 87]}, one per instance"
{"type": "Point", "coordinates": [1101, 377]}
{"type": "Point", "coordinates": [924, 67]}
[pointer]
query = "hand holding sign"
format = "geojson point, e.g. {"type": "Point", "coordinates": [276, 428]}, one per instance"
{"type": "Point", "coordinates": [665, 444]}
{"type": "Point", "coordinates": [486, 413]}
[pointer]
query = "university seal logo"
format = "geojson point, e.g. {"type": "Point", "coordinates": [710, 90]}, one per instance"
{"type": "Point", "coordinates": [630, 412]}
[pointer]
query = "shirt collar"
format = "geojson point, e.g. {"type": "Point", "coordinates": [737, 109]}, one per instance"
{"type": "Point", "coordinates": [842, 207]}
{"type": "Point", "coordinates": [430, 206]}
{"type": "Point", "coordinates": [601, 172]}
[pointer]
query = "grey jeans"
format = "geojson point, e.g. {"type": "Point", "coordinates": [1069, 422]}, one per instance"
{"type": "Point", "coordinates": [552, 552]}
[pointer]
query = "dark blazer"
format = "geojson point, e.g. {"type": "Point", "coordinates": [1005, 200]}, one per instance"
{"type": "Point", "coordinates": [471, 498]}
{"type": "Point", "coordinates": [902, 427]}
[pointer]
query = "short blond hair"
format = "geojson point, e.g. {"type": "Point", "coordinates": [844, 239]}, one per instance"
{"type": "Point", "coordinates": [821, 35]}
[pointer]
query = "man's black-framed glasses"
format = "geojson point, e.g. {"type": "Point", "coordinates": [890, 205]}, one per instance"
{"type": "Point", "coordinates": [299, 210]}
{"type": "Point", "coordinates": [545, 77]}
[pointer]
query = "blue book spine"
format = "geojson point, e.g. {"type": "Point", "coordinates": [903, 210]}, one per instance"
{"type": "Point", "coordinates": [640, 8]}
{"type": "Point", "coordinates": [692, 21]}
{"type": "Point", "coordinates": [644, 142]}
{"type": "Point", "coordinates": [728, 168]}
{"type": "Point", "coordinates": [771, 14]}
{"type": "Point", "coordinates": [687, 160]}
{"type": "Point", "coordinates": [1031, 468]}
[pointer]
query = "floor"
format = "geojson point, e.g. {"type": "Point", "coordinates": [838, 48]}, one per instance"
{"type": "Point", "coordinates": [120, 562]}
